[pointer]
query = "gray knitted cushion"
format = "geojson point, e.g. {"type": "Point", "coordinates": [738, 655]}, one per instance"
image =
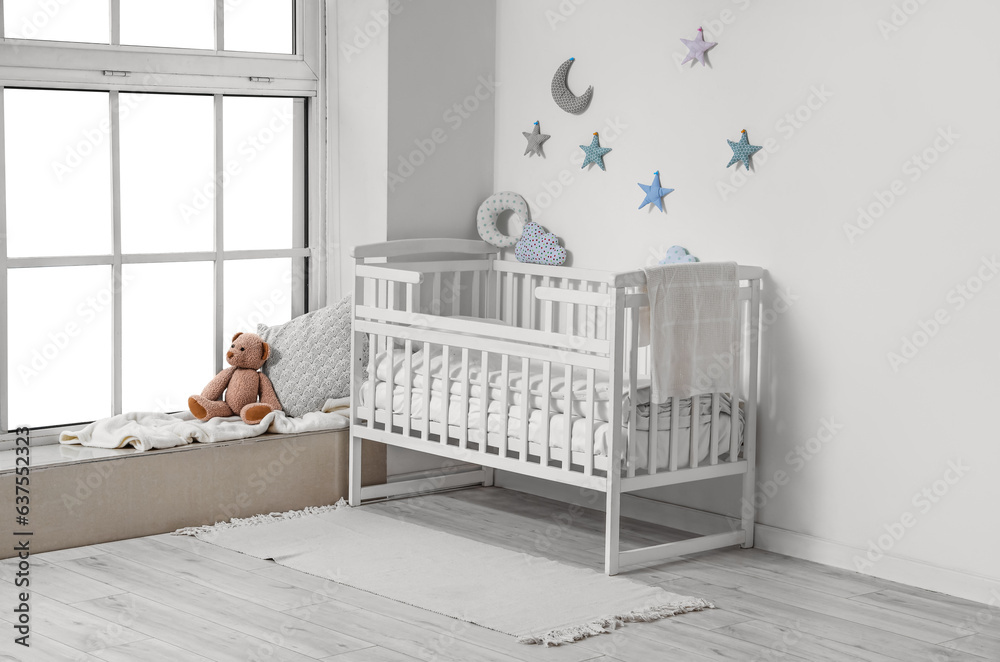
{"type": "Point", "coordinates": [311, 358]}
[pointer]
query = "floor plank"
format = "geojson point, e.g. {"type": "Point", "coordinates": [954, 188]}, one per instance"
{"type": "Point", "coordinates": [227, 556]}
{"type": "Point", "coordinates": [977, 644]}
{"type": "Point", "coordinates": [866, 636]}
{"type": "Point", "coordinates": [68, 624]}
{"type": "Point", "coordinates": [909, 625]}
{"type": "Point", "coordinates": [213, 574]}
{"type": "Point", "coordinates": [962, 615]}
{"type": "Point", "coordinates": [803, 644]}
{"type": "Point", "coordinates": [373, 654]}
{"type": "Point", "coordinates": [55, 581]}
{"type": "Point", "coordinates": [42, 649]}
{"type": "Point", "coordinates": [220, 608]}
{"type": "Point", "coordinates": [148, 650]}
{"type": "Point", "coordinates": [187, 632]}
{"type": "Point", "coordinates": [713, 644]}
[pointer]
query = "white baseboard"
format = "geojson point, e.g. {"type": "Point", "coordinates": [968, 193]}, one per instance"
{"type": "Point", "coordinates": [911, 572]}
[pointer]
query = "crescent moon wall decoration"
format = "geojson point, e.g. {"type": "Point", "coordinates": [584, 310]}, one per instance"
{"type": "Point", "coordinates": [563, 97]}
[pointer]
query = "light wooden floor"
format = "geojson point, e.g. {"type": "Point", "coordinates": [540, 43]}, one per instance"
{"type": "Point", "coordinates": [170, 599]}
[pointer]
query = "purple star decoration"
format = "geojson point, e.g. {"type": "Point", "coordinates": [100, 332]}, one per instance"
{"type": "Point", "coordinates": [697, 48]}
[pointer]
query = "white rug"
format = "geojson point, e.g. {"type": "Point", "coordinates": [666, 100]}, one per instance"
{"type": "Point", "coordinates": [537, 600]}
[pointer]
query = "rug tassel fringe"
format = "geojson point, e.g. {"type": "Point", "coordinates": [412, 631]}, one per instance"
{"type": "Point", "coordinates": [609, 624]}
{"type": "Point", "coordinates": [257, 520]}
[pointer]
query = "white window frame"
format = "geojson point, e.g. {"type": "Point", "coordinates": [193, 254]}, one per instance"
{"type": "Point", "coordinates": [114, 69]}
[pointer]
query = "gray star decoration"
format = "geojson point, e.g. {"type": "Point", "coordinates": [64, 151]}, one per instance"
{"type": "Point", "coordinates": [535, 140]}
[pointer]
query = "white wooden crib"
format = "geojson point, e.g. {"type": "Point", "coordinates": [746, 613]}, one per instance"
{"type": "Point", "coordinates": [534, 355]}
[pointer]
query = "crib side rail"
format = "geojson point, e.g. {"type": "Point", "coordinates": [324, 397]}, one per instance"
{"type": "Point", "coordinates": [644, 461]}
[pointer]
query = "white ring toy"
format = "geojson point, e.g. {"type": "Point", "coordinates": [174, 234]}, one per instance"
{"type": "Point", "coordinates": [489, 211]}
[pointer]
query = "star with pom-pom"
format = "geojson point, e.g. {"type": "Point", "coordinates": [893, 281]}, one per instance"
{"type": "Point", "coordinates": [697, 48]}
{"type": "Point", "coordinates": [654, 192]}
{"type": "Point", "coordinates": [595, 153]}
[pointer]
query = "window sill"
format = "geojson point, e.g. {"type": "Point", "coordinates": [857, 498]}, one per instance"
{"type": "Point", "coordinates": [55, 455]}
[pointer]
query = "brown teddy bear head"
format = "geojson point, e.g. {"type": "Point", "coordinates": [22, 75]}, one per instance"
{"type": "Point", "coordinates": [248, 351]}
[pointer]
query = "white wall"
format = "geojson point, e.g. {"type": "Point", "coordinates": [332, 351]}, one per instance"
{"type": "Point", "coordinates": [416, 98]}
{"type": "Point", "coordinates": [843, 111]}
{"type": "Point", "coordinates": [361, 53]}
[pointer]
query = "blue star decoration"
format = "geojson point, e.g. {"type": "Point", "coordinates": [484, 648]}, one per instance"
{"type": "Point", "coordinates": [654, 192]}
{"type": "Point", "coordinates": [595, 153]}
{"type": "Point", "coordinates": [742, 151]}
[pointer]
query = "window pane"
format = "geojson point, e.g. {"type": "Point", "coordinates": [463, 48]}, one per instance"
{"type": "Point", "coordinates": [57, 20]}
{"type": "Point", "coordinates": [163, 363]}
{"type": "Point", "coordinates": [59, 188]}
{"type": "Point", "coordinates": [167, 185]}
{"type": "Point", "coordinates": [258, 156]}
{"type": "Point", "coordinates": [263, 26]}
{"type": "Point", "coordinates": [176, 24]}
{"type": "Point", "coordinates": [257, 292]}
{"type": "Point", "coordinates": [59, 345]}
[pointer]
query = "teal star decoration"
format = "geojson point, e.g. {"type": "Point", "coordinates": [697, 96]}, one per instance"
{"type": "Point", "coordinates": [595, 153]}
{"type": "Point", "coordinates": [742, 151]}
{"type": "Point", "coordinates": [654, 192]}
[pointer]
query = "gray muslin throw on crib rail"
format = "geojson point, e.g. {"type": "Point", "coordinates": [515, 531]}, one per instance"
{"type": "Point", "coordinates": [693, 328]}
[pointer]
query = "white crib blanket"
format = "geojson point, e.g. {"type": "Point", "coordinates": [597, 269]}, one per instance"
{"type": "Point", "coordinates": [578, 428]}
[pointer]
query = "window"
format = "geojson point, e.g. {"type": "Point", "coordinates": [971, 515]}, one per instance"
{"type": "Point", "coordinates": [155, 196]}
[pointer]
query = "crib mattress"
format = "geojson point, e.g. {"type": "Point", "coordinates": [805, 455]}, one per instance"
{"type": "Point", "coordinates": [579, 428]}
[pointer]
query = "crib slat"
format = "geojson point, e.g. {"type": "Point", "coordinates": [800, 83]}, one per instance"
{"type": "Point", "coordinates": [436, 306]}
{"type": "Point", "coordinates": [546, 408]}
{"type": "Point", "coordinates": [463, 423]}
{"type": "Point", "coordinates": [525, 365]}
{"type": "Point", "coordinates": [504, 402]}
{"type": "Point", "coordinates": [675, 424]}
{"type": "Point", "coordinates": [475, 294]}
{"type": "Point", "coordinates": [407, 370]}
{"type": "Point", "coordinates": [528, 301]}
{"type": "Point", "coordinates": [372, 345]}
{"type": "Point", "coordinates": [426, 370]}
{"type": "Point", "coordinates": [590, 316]}
{"type": "Point", "coordinates": [695, 429]}
{"type": "Point", "coordinates": [456, 293]}
{"type": "Point", "coordinates": [633, 375]}
{"type": "Point", "coordinates": [546, 308]}
{"type": "Point", "coordinates": [445, 392]}
{"type": "Point", "coordinates": [713, 448]}
{"type": "Point", "coordinates": [484, 400]}
{"type": "Point", "coordinates": [734, 408]}
{"type": "Point", "coordinates": [509, 299]}
{"type": "Point", "coordinates": [602, 317]}
{"type": "Point", "coordinates": [588, 467]}
{"type": "Point", "coordinates": [382, 299]}
{"type": "Point", "coordinates": [653, 436]}
{"type": "Point", "coordinates": [568, 419]}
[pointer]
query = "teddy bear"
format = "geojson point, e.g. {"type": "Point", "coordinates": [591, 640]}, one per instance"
{"type": "Point", "coordinates": [242, 383]}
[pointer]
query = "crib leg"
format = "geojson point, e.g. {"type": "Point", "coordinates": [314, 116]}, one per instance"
{"type": "Point", "coordinates": [612, 527]}
{"type": "Point", "coordinates": [748, 511]}
{"type": "Point", "coordinates": [354, 473]}
{"type": "Point", "coordinates": [487, 477]}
